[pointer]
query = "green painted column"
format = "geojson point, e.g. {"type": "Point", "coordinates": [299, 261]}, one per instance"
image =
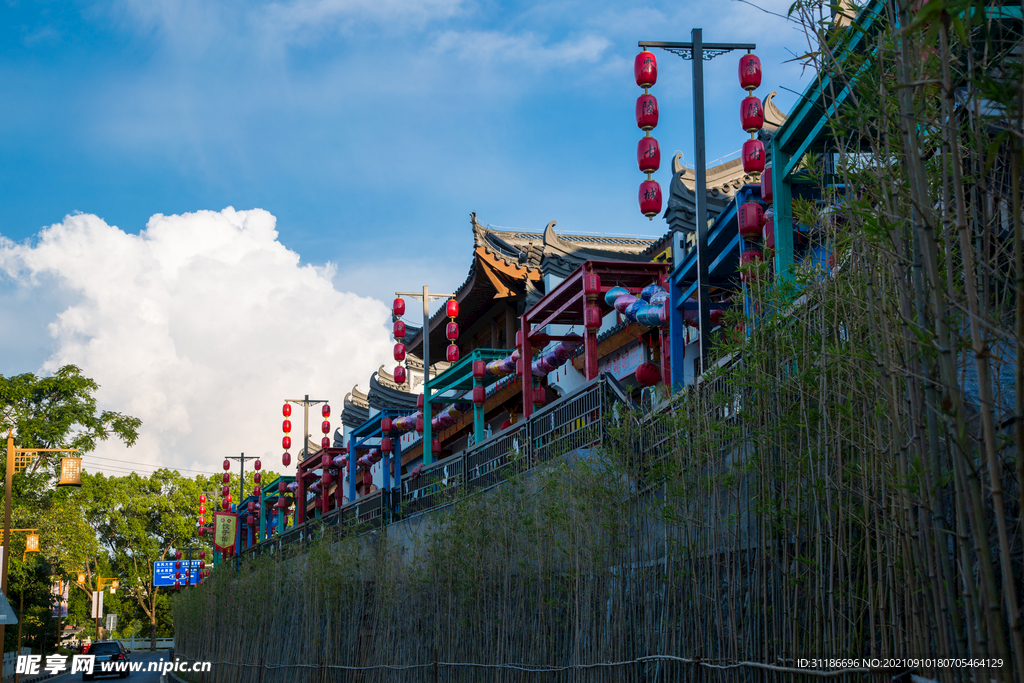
{"type": "Point", "coordinates": [478, 417]}
{"type": "Point", "coordinates": [783, 209]}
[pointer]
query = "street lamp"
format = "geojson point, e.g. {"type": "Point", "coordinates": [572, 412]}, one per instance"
{"type": "Point", "coordinates": [17, 460]}
{"type": "Point", "coordinates": [698, 51]}
{"type": "Point", "coordinates": [426, 296]}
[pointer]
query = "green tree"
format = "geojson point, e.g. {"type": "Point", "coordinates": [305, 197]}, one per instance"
{"type": "Point", "coordinates": [59, 411]}
{"type": "Point", "coordinates": [138, 521]}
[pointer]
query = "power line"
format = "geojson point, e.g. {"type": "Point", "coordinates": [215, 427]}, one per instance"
{"type": "Point", "coordinates": [127, 470]}
{"type": "Point", "coordinates": [181, 469]}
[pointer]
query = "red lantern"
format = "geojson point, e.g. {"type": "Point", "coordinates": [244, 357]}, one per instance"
{"type": "Point", "coordinates": [202, 509]}
{"type": "Point", "coordinates": [398, 307]}
{"type": "Point", "coordinates": [257, 465]}
{"type": "Point", "coordinates": [224, 491]}
{"type": "Point", "coordinates": [177, 584]}
{"type": "Point", "coordinates": [750, 72]}
{"type": "Point", "coordinates": [766, 184]}
{"type": "Point", "coordinates": [539, 395]}
{"type": "Point", "coordinates": [367, 479]}
{"type": "Point", "coordinates": [592, 317]}
{"type": "Point", "coordinates": [286, 442]}
{"type": "Point", "coordinates": [286, 410]}
{"type": "Point", "coordinates": [225, 478]}
{"type": "Point", "coordinates": [419, 424]}
{"type": "Point", "coordinates": [750, 257]}
{"type": "Point", "coordinates": [648, 374]}
{"type": "Point", "coordinates": [479, 395]}
{"type": "Point", "coordinates": [202, 498]}
{"type": "Point", "coordinates": [645, 69]}
{"type": "Point", "coordinates": [646, 112]}
{"type": "Point", "coordinates": [202, 531]}
{"type": "Point", "coordinates": [202, 556]}
{"type": "Point", "coordinates": [452, 331]}
{"type": "Point", "coordinates": [286, 426]}
{"type": "Point", "coordinates": [250, 520]}
{"type": "Point", "coordinates": [399, 329]}
{"type": "Point", "coordinates": [228, 498]}
{"type": "Point", "coordinates": [256, 478]}
{"type": "Point", "coordinates": [399, 352]}
{"type": "Point", "coordinates": [451, 308]}
{"type": "Point", "coordinates": [251, 506]}
{"type": "Point", "coordinates": [716, 316]}
{"type": "Point", "coordinates": [325, 427]}
{"type": "Point", "coordinates": [286, 458]}
{"type": "Point", "coordinates": [452, 354]}
{"type": "Point", "coordinates": [751, 114]}
{"type": "Point", "coordinates": [479, 369]}
{"type": "Point", "coordinates": [282, 487]}
{"type": "Point", "coordinates": [650, 198]}
{"type": "Point", "coordinates": [386, 445]}
{"type": "Point", "coordinates": [326, 410]}
{"type": "Point", "coordinates": [749, 216]}
{"type": "Point", "coordinates": [201, 521]}
{"type": "Point", "coordinates": [753, 157]}
{"type": "Point", "coordinates": [592, 283]}
{"type": "Point", "coordinates": [256, 491]}
{"type": "Point", "coordinates": [648, 155]}
{"type": "Point", "coordinates": [177, 565]}
{"type": "Point", "coordinates": [435, 445]}
{"type": "Point", "coordinates": [225, 504]}
{"type": "Point", "coordinates": [325, 442]}
{"type": "Point", "coordinates": [399, 375]}
{"type": "Point", "coordinates": [227, 465]}
{"type": "Point", "coordinates": [419, 402]}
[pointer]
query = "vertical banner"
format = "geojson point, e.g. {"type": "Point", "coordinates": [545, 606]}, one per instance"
{"type": "Point", "coordinates": [97, 604]}
{"type": "Point", "coordinates": [60, 592]}
{"type": "Point", "coordinates": [224, 526]}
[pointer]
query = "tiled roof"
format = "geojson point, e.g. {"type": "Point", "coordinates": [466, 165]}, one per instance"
{"type": "Point", "coordinates": [552, 252]}
{"type": "Point", "coordinates": [384, 394]}
{"type": "Point", "coordinates": [356, 408]}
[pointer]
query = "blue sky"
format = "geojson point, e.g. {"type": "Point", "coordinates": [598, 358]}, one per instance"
{"type": "Point", "coordinates": [369, 129]}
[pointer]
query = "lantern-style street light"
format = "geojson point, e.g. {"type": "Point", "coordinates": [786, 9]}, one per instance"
{"type": "Point", "coordinates": [698, 51]}
{"type": "Point", "coordinates": [287, 425]}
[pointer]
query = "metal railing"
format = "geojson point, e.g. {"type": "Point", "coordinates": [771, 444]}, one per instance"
{"type": "Point", "coordinates": [437, 485]}
{"type": "Point", "coordinates": [497, 458]}
{"type": "Point", "coordinates": [573, 422]}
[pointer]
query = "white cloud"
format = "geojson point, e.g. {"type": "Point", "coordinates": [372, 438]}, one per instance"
{"type": "Point", "coordinates": [522, 48]}
{"type": "Point", "coordinates": [200, 325]}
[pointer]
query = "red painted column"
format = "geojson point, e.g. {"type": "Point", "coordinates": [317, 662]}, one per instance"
{"type": "Point", "coordinates": [526, 359]}
{"type": "Point", "coordinates": [590, 353]}
{"type": "Point", "coordinates": [300, 495]}
{"type": "Point", "coordinates": [666, 366]}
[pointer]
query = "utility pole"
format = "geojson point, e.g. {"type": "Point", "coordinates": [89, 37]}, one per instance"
{"type": "Point", "coordinates": [697, 51]}
{"type": "Point", "coordinates": [426, 296]}
{"type": "Point", "coordinates": [241, 491]}
{"type": "Point", "coordinates": [305, 403]}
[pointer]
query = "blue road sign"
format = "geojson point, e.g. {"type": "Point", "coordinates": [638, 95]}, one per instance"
{"type": "Point", "coordinates": [163, 572]}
